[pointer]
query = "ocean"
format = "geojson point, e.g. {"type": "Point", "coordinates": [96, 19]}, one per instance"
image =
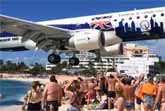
{"type": "Point", "coordinates": [12, 92]}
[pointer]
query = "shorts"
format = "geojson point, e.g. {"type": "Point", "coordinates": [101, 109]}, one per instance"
{"type": "Point", "coordinates": [111, 94]}
{"type": "Point", "coordinates": [129, 105]}
{"type": "Point", "coordinates": [53, 105]}
{"type": "Point", "coordinates": [72, 108]}
{"type": "Point", "coordinates": [149, 100]}
{"type": "Point", "coordinates": [138, 101]}
{"type": "Point", "coordinates": [34, 106]}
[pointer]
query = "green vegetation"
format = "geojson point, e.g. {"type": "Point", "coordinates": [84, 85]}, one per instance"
{"type": "Point", "coordinates": [90, 71]}
{"type": "Point", "coordinates": [37, 69]}
{"type": "Point", "coordinates": [21, 67]}
{"type": "Point", "coordinates": [58, 69]}
{"type": "Point", "coordinates": [160, 66]}
{"type": "Point", "coordinates": [34, 69]}
{"type": "Point", "coordinates": [9, 66]}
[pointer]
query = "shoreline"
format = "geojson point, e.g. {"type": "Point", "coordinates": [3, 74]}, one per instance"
{"type": "Point", "coordinates": [28, 80]}
{"type": "Point", "coordinates": [44, 80]}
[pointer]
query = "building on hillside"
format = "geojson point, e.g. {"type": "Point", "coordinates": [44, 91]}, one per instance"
{"type": "Point", "coordinates": [136, 59]}
{"type": "Point", "coordinates": [49, 67]}
{"type": "Point", "coordinates": [133, 49]}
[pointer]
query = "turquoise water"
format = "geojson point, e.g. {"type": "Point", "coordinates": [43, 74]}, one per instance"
{"type": "Point", "coordinates": [12, 92]}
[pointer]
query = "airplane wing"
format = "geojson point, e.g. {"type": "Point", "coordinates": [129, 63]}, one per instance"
{"type": "Point", "coordinates": [46, 37]}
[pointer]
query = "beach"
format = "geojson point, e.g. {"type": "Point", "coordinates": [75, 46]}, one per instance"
{"type": "Point", "coordinates": [23, 78]}
{"type": "Point", "coordinates": [60, 78]}
{"type": "Point", "coordinates": [11, 108]}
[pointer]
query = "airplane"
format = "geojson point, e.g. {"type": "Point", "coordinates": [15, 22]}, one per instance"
{"type": "Point", "coordinates": [100, 34]}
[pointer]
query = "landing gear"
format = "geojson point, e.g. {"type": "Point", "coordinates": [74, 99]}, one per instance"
{"type": "Point", "coordinates": [73, 61]}
{"type": "Point", "coordinates": [54, 58]}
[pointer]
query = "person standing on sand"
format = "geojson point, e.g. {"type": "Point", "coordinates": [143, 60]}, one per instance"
{"type": "Point", "coordinates": [91, 93]}
{"type": "Point", "coordinates": [149, 92]}
{"type": "Point", "coordinates": [128, 91]}
{"type": "Point", "coordinates": [33, 98]}
{"type": "Point", "coordinates": [52, 95]}
{"type": "Point", "coordinates": [72, 91]}
{"type": "Point", "coordinates": [161, 95]}
{"type": "Point", "coordinates": [119, 103]}
{"type": "Point", "coordinates": [111, 91]}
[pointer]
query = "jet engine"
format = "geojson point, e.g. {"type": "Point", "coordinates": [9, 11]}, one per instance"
{"type": "Point", "coordinates": [111, 38]}
{"type": "Point", "coordinates": [86, 40]}
{"type": "Point", "coordinates": [29, 44]}
{"type": "Point", "coordinates": [112, 50]}
{"type": "Point", "coordinates": [92, 39]}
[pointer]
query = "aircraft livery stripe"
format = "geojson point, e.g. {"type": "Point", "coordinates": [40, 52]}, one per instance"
{"type": "Point", "coordinates": [6, 34]}
{"type": "Point", "coordinates": [21, 48]}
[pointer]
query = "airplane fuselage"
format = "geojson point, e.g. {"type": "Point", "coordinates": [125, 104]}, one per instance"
{"type": "Point", "coordinates": [129, 26]}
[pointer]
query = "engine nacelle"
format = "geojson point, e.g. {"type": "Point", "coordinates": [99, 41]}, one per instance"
{"type": "Point", "coordinates": [86, 40]}
{"type": "Point", "coordinates": [112, 50]}
{"type": "Point", "coordinates": [29, 44]}
{"type": "Point", "coordinates": [111, 38]}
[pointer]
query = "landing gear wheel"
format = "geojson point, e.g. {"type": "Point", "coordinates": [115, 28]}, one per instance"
{"type": "Point", "coordinates": [54, 59]}
{"type": "Point", "coordinates": [73, 61]}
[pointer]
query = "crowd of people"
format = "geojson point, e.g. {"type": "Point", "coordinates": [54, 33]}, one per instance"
{"type": "Point", "coordinates": [113, 91]}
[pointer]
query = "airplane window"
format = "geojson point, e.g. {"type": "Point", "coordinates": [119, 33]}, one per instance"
{"type": "Point", "coordinates": [97, 17]}
{"type": "Point", "coordinates": [4, 40]}
{"type": "Point", "coordinates": [162, 14]}
{"type": "Point", "coordinates": [154, 15]}
{"type": "Point", "coordinates": [130, 18]}
{"type": "Point", "coordinates": [105, 17]}
{"type": "Point", "coordinates": [109, 16]}
{"type": "Point", "coordinates": [145, 16]}
{"type": "Point", "coordinates": [138, 17]}
{"type": "Point", "coordinates": [14, 38]}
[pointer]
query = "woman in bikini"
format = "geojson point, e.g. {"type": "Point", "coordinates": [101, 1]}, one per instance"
{"type": "Point", "coordinates": [72, 91]}
{"type": "Point", "coordinates": [33, 98]}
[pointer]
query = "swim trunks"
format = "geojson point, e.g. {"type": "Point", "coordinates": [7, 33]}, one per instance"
{"type": "Point", "coordinates": [53, 105]}
{"type": "Point", "coordinates": [111, 94]}
{"type": "Point", "coordinates": [149, 100]}
{"type": "Point", "coordinates": [129, 105]}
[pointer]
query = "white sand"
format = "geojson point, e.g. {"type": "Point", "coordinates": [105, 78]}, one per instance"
{"type": "Point", "coordinates": [11, 108]}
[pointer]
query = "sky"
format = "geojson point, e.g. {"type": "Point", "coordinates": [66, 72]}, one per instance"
{"type": "Point", "coordinates": [39, 10]}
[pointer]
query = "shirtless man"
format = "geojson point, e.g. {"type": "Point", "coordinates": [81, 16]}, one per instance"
{"type": "Point", "coordinates": [111, 91]}
{"type": "Point", "coordinates": [161, 95]}
{"type": "Point", "coordinates": [128, 91]}
{"type": "Point", "coordinates": [52, 95]}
